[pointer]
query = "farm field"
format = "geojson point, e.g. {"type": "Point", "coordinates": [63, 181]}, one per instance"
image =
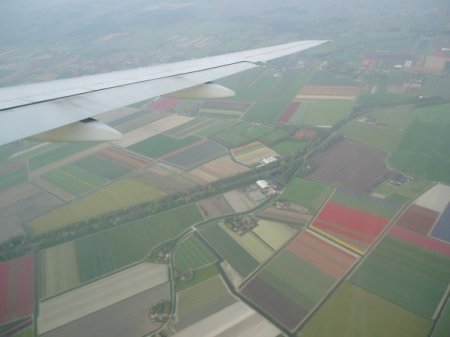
{"type": "Point", "coordinates": [118, 195]}
{"type": "Point", "coordinates": [288, 288]}
{"type": "Point", "coordinates": [217, 127]}
{"type": "Point", "coordinates": [13, 175]}
{"type": "Point", "coordinates": [265, 111]}
{"type": "Point", "coordinates": [161, 144]}
{"type": "Point", "coordinates": [20, 204]}
{"type": "Point", "coordinates": [386, 132]}
{"type": "Point", "coordinates": [353, 228]}
{"type": "Point", "coordinates": [237, 320]}
{"type": "Point", "coordinates": [191, 128]}
{"type": "Point", "coordinates": [350, 165]}
{"type": "Point", "coordinates": [322, 254]}
{"type": "Point", "coordinates": [328, 92]}
{"type": "Point", "coordinates": [165, 178]}
{"type": "Point", "coordinates": [256, 247]}
{"type": "Point", "coordinates": [128, 317]}
{"type": "Point", "coordinates": [403, 193]}
{"type": "Point", "coordinates": [288, 112]}
{"type": "Point", "coordinates": [275, 234]}
{"type": "Point", "coordinates": [442, 228]}
{"type": "Point", "coordinates": [242, 133]}
{"type": "Point", "coordinates": [191, 254]}
{"type": "Point", "coordinates": [424, 150]}
{"type": "Point", "coordinates": [98, 295]}
{"type": "Point", "coordinates": [239, 201]}
{"type": "Point", "coordinates": [417, 219]}
{"type": "Point", "coordinates": [353, 311]}
{"type": "Point", "coordinates": [201, 301]}
{"type": "Point", "coordinates": [287, 147]}
{"type": "Point", "coordinates": [252, 153]}
{"type": "Point", "coordinates": [59, 269]}
{"type": "Point", "coordinates": [131, 242]}
{"type": "Point", "coordinates": [214, 207]}
{"type": "Point", "coordinates": [225, 105]}
{"type": "Point", "coordinates": [413, 277]}
{"type": "Point", "coordinates": [216, 169]}
{"type": "Point", "coordinates": [276, 135]}
{"type": "Point", "coordinates": [57, 153]}
{"type": "Point", "coordinates": [443, 323]}
{"type": "Point", "coordinates": [286, 216]}
{"type": "Point", "coordinates": [127, 158]}
{"type": "Point", "coordinates": [16, 288]}
{"type": "Point", "coordinates": [307, 193]}
{"type": "Point", "coordinates": [199, 276]}
{"type": "Point", "coordinates": [321, 113]}
{"type": "Point", "coordinates": [230, 250]}
{"type": "Point", "coordinates": [196, 154]}
{"type": "Point", "coordinates": [101, 166]}
{"type": "Point", "coordinates": [436, 198]}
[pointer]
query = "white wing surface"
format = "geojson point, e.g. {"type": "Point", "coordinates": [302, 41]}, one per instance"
{"type": "Point", "coordinates": [33, 109]}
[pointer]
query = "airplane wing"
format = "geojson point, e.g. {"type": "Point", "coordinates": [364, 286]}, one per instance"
{"type": "Point", "coordinates": [63, 110]}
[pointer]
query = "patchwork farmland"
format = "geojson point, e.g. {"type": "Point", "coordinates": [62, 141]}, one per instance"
{"type": "Point", "coordinates": [252, 153]}
{"type": "Point", "coordinates": [17, 288]}
{"type": "Point", "coordinates": [216, 169]}
{"type": "Point", "coordinates": [353, 220]}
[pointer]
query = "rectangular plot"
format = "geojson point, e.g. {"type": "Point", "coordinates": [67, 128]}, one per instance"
{"type": "Point", "coordinates": [321, 254]}
{"type": "Point", "coordinates": [67, 182]}
{"type": "Point", "coordinates": [271, 301]}
{"type": "Point", "coordinates": [353, 311]}
{"type": "Point", "coordinates": [93, 256]}
{"type": "Point", "coordinates": [59, 269]}
{"type": "Point", "coordinates": [297, 279]}
{"type": "Point", "coordinates": [417, 219]}
{"type": "Point", "coordinates": [412, 276]}
{"type": "Point", "coordinates": [56, 154]}
{"type": "Point", "coordinates": [192, 254]}
{"type": "Point", "coordinates": [13, 177]}
{"type": "Point", "coordinates": [160, 145]}
{"type": "Point", "coordinates": [307, 193]}
{"type": "Point", "coordinates": [423, 241]}
{"type": "Point", "coordinates": [442, 229]}
{"type": "Point", "coordinates": [197, 155]}
{"type": "Point", "coordinates": [275, 234]}
{"type": "Point", "coordinates": [103, 167]}
{"type": "Point", "coordinates": [230, 250]}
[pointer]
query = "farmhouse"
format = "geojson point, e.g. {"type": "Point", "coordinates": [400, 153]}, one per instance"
{"type": "Point", "coordinates": [262, 184]}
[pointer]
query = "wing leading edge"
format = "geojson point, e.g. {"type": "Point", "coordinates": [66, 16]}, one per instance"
{"type": "Point", "coordinates": [32, 109]}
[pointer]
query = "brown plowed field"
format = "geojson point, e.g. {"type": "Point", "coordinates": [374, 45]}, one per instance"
{"type": "Point", "coordinates": [275, 304]}
{"type": "Point", "coordinates": [321, 254]}
{"type": "Point", "coordinates": [417, 219]}
{"type": "Point", "coordinates": [328, 92]}
{"type": "Point", "coordinates": [351, 165]}
{"type": "Point", "coordinates": [127, 158]}
{"type": "Point", "coordinates": [286, 216]}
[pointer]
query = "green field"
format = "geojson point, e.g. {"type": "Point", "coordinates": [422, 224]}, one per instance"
{"type": "Point", "coordinates": [93, 256]}
{"type": "Point", "coordinates": [308, 193]}
{"type": "Point", "coordinates": [355, 312]}
{"type": "Point", "coordinates": [330, 78]}
{"type": "Point", "coordinates": [273, 137]}
{"type": "Point", "coordinates": [219, 126]}
{"type": "Point", "coordinates": [200, 275]}
{"type": "Point", "coordinates": [275, 234]}
{"type": "Point", "coordinates": [443, 324]}
{"type": "Point", "coordinates": [159, 145]}
{"type": "Point", "coordinates": [388, 131]}
{"type": "Point", "coordinates": [202, 300]}
{"type": "Point", "coordinates": [101, 167]}
{"type": "Point", "coordinates": [365, 203]}
{"type": "Point", "coordinates": [424, 149]}
{"type": "Point", "coordinates": [191, 127]}
{"type": "Point", "coordinates": [57, 153]}
{"type": "Point", "coordinates": [132, 242]}
{"type": "Point", "coordinates": [118, 195]}
{"type": "Point", "coordinates": [230, 250]}
{"type": "Point", "coordinates": [74, 179]}
{"type": "Point", "coordinates": [265, 111]}
{"type": "Point", "coordinates": [323, 112]}
{"type": "Point", "coordinates": [256, 247]}
{"type": "Point", "coordinates": [296, 279]}
{"type": "Point", "coordinates": [413, 277]}
{"type": "Point", "coordinates": [192, 253]}
{"type": "Point", "coordinates": [287, 147]}
{"type": "Point", "coordinates": [405, 192]}
{"type": "Point", "coordinates": [242, 133]}
{"type": "Point", "coordinates": [12, 178]}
